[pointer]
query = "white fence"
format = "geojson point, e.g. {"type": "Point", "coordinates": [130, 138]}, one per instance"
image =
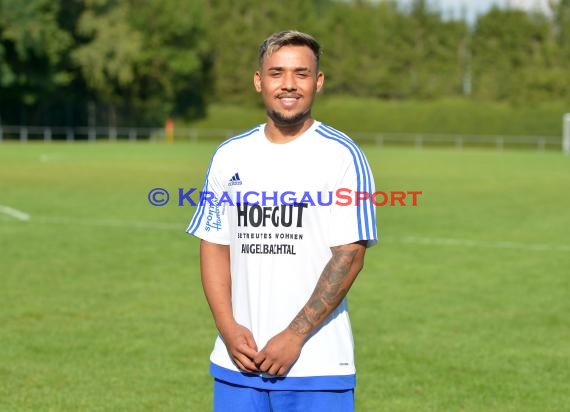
{"type": "Point", "coordinates": [418, 140]}
{"type": "Point", "coordinates": [460, 141]}
{"type": "Point", "coordinates": [94, 134]}
{"type": "Point", "coordinates": [566, 134]}
{"type": "Point", "coordinates": [71, 134]}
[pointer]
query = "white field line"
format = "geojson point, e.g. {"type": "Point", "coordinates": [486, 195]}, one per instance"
{"type": "Point", "coordinates": [500, 244]}
{"type": "Point", "coordinates": [131, 224]}
{"type": "Point", "coordinates": [15, 213]}
{"type": "Point", "coordinates": [44, 157]}
{"type": "Point", "coordinates": [134, 224]}
{"type": "Point", "coordinates": [416, 240]}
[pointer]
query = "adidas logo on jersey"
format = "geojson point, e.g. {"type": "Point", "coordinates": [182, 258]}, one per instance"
{"type": "Point", "coordinates": [235, 180]}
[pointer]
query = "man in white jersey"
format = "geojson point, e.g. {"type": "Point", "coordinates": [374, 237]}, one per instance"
{"type": "Point", "coordinates": [279, 251]}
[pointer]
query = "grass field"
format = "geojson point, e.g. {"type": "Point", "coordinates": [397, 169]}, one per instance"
{"type": "Point", "coordinates": [463, 306]}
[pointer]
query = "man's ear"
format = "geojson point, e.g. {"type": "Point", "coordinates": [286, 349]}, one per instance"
{"type": "Point", "coordinates": [320, 81]}
{"type": "Point", "coordinates": [257, 81]}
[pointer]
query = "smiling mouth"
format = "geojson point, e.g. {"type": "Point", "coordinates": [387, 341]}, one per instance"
{"type": "Point", "coordinates": [288, 96]}
{"type": "Point", "coordinates": [288, 100]}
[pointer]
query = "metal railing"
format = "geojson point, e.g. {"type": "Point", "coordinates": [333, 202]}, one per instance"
{"type": "Point", "coordinates": [418, 140]}
{"type": "Point", "coordinates": [460, 141]}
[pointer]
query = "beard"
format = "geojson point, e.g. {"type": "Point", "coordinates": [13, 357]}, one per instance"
{"type": "Point", "coordinates": [282, 120]}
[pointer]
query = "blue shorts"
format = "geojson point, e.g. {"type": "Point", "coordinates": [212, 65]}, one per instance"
{"type": "Point", "coordinates": [235, 398]}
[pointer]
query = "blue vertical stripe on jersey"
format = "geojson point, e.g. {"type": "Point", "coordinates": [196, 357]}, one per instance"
{"type": "Point", "coordinates": [368, 175]}
{"type": "Point", "coordinates": [359, 186]}
{"type": "Point", "coordinates": [320, 130]}
{"type": "Point", "coordinates": [199, 214]}
{"type": "Point", "coordinates": [361, 168]}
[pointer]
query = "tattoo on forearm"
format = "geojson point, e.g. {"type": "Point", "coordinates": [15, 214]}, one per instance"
{"type": "Point", "coordinates": [301, 324]}
{"type": "Point", "coordinates": [329, 291]}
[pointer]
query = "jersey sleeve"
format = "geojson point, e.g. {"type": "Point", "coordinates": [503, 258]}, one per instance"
{"type": "Point", "coordinates": [353, 215]}
{"type": "Point", "coordinates": [210, 220]}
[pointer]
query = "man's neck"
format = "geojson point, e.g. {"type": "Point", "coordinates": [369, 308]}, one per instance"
{"type": "Point", "coordinates": [280, 133]}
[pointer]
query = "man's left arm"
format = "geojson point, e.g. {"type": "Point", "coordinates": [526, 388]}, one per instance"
{"type": "Point", "coordinates": [277, 357]}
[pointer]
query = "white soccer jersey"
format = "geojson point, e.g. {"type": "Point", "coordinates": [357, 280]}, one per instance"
{"type": "Point", "coordinates": [275, 205]}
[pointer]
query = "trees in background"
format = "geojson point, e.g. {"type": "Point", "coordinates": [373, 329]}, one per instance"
{"type": "Point", "coordinates": [236, 29]}
{"type": "Point", "coordinates": [516, 57]}
{"type": "Point", "coordinates": [117, 62]}
{"type": "Point", "coordinates": [70, 62]}
{"type": "Point", "coordinates": [33, 52]}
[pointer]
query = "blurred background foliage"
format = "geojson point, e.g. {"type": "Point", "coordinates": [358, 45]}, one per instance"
{"type": "Point", "coordinates": [137, 62]}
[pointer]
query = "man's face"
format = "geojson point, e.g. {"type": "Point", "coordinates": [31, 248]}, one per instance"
{"type": "Point", "coordinates": [288, 81]}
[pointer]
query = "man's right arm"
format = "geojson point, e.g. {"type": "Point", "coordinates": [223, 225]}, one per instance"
{"type": "Point", "coordinates": [216, 281]}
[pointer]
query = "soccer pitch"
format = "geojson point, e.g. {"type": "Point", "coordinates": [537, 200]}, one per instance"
{"type": "Point", "coordinates": [463, 305]}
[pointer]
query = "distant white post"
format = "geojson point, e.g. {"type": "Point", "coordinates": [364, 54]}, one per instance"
{"type": "Point", "coordinates": [566, 134]}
